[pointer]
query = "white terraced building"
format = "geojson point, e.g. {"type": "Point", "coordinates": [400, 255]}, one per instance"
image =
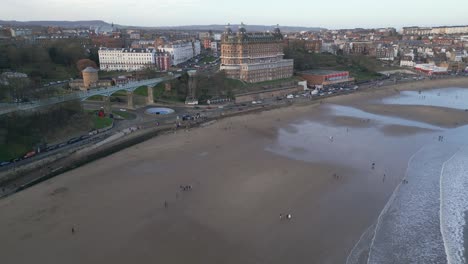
{"type": "Point", "coordinates": [126, 59]}
{"type": "Point", "coordinates": [182, 51]}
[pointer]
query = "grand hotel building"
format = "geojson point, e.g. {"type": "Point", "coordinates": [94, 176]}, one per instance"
{"type": "Point", "coordinates": [254, 57]}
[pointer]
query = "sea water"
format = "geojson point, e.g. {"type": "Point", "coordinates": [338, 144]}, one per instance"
{"type": "Point", "coordinates": [424, 220]}
{"type": "Point", "coordinates": [454, 205]}
{"type": "Point", "coordinates": [448, 97]}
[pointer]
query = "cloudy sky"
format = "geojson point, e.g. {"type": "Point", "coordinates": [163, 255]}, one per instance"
{"type": "Point", "coordinates": [329, 14]}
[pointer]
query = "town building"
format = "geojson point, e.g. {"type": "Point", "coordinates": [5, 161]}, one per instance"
{"type": "Point", "coordinates": [386, 52]}
{"type": "Point", "coordinates": [126, 59]}
{"type": "Point", "coordinates": [90, 80]}
{"type": "Point", "coordinates": [214, 46]}
{"type": "Point", "coordinates": [135, 35]}
{"type": "Point", "coordinates": [182, 51]}
{"type": "Point", "coordinates": [254, 57]}
{"type": "Point", "coordinates": [430, 69]}
{"type": "Point", "coordinates": [163, 60]}
{"type": "Point", "coordinates": [325, 77]}
{"type": "Point", "coordinates": [445, 30]}
{"type": "Point", "coordinates": [20, 32]}
{"type": "Point", "coordinates": [207, 43]}
{"type": "Point", "coordinates": [407, 61]}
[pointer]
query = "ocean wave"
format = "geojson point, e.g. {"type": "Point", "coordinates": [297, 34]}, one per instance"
{"type": "Point", "coordinates": [408, 229]}
{"type": "Point", "coordinates": [453, 205]}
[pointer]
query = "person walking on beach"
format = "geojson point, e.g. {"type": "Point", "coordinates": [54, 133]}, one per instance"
{"type": "Point", "coordinates": [383, 179]}
{"type": "Point", "coordinates": [73, 230]}
{"type": "Point", "coordinates": [165, 204]}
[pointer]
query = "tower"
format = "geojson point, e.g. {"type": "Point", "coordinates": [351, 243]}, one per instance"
{"type": "Point", "coordinates": [192, 85]}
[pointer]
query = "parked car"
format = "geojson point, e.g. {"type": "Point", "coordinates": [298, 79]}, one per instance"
{"type": "Point", "coordinates": [73, 140]}
{"type": "Point", "coordinates": [4, 163]}
{"type": "Point", "coordinates": [187, 117]}
{"type": "Point", "coordinates": [49, 148]}
{"type": "Point", "coordinates": [29, 154]}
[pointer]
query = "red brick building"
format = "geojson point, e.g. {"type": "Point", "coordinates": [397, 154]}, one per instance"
{"type": "Point", "coordinates": [163, 60]}
{"type": "Point", "coordinates": [207, 43]}
{"type": "Point", "coordinates": [325, 77]}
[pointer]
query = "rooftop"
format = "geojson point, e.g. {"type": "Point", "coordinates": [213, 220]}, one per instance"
{"type": "Point", "coordinates": [90, 69]}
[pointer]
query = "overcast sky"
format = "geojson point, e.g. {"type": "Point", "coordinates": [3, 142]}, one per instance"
{"type": "Point", "coordinates": [314, 13]}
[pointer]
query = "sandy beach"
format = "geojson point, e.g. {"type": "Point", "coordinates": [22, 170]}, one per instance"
{"type": "Point", "coordinates": [244, 171]}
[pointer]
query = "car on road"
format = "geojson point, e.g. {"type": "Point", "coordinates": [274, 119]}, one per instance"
{"type": "Point", "coordinates": [29, 154]}
{"type": "Point", "coordinates": [4, 163]}
{"type": "Point", "coordinates": [290, 96]}
{"type": "Point", "coordinates": [73, 140]}
{"type": "Point", "coordinates": [53, 147]}
{"type": "Point", "coordinates": [84, 137]}
{"type": "Point", "coordinates": [187, 117]}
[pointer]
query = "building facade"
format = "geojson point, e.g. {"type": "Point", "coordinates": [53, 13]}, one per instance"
{"type": "Point", "coordinates": [254, 57]}
{"type": "Point", "coordinates": [325, 77]}
{"type": "Point", "coordinates": [126, 59]}
{"type": "Point", "coordinates": [182, 51]}
{"type": "Point", "coordinates": [421, 31]}
{"type": "Point", "coordinates": [163, 60]}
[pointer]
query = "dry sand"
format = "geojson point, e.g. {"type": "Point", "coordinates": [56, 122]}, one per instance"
{"type": "Point", "coordinates": [116, 204]}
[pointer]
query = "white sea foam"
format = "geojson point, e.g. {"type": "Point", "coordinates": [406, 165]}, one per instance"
{"type": "Point", "coordinates": [454, 204]}
{"type": "Point", "coordinates": [408, 230]}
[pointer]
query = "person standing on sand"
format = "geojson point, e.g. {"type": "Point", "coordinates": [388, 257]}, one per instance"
{"type": "Point", "coordinates": [165, 204]}
{"type": "Point", "coordinates": [73, 230]}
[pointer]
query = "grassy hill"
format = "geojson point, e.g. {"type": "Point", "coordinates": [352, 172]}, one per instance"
{"type": "Point", "coordinates": [360, 67]}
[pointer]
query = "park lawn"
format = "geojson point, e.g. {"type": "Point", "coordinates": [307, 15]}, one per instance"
{"type": "Point", "coordinates": [159, 92]}
{"type": "Point", "coordinates": [95, 98]}
{"type": "Point", "coordinates": [120, 93]}
{"type": "Point", "coordinates": [142, 91]}
{"type": "Point", "coordinates": [124, 115]}
{"type": "Point", "coordinates": [208, 59]}
{"type": "Point", "coordinates": [101, 122]}
{"type": "Point", "coordinates": [110, 74]}
{"type": "Point", "coordinates": [11, 151]}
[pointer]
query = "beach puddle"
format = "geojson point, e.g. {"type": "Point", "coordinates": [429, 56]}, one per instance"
{"type": "Point", "coordinates": [382, 120]}
{"type": "Point", "coordinates": [327, 142]}
{"type": "Point", "coordinates": [456, 98]}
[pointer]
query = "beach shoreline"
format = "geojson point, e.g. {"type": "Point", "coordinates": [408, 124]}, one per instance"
{"type": "Point", "coordinates": [371, 93]}
{"type": "Point", "coordinates": [245, 171]}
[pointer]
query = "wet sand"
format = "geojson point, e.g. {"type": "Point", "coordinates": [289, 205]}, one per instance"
{"type": "Point", "coordinates": [239, 188]}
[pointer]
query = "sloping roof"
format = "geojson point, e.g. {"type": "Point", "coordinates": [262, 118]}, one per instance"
{"type": "Point", "coordinates": [90, 69]}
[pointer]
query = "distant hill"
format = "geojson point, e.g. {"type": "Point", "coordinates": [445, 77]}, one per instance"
{"type": "Point", "coordinates": [234, 27]}
{"type": "Point", "coordinates": [100, 23]}
{"type": "Point", "coordinates": [62, 24]}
